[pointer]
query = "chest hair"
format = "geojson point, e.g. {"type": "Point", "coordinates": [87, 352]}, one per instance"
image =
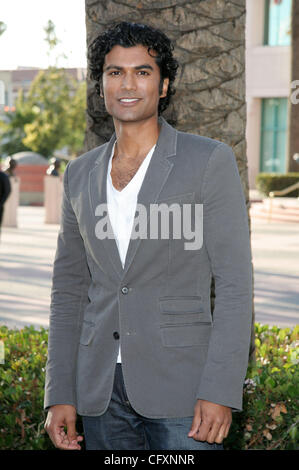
{"type": "Point", "coordinates": [123, 171]}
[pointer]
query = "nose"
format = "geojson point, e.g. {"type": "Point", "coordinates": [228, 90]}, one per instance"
{"type": "Point", "coordinates": [128, 81]}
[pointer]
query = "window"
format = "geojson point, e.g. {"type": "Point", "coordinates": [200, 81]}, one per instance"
{"type": "Point", "coordinates": [278, 22]}
{"type": "Point", "coordinates": [274, 135]}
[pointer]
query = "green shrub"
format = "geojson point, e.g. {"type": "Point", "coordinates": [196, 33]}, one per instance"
{"type": "Point", "coordinates": [266, 182]}
{"type": "Point", "coordinates": [21, 389]}
{"type": "Point", "coordinates": [270, 403]}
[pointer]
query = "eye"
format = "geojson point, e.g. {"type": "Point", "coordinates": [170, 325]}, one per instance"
{"type": "Point", "coordinates": [114, 71]}
{"type": "Point", "coordinates": [143, 72]}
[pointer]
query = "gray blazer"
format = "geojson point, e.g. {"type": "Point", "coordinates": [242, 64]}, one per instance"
{"type": "Point", "coordinates": [173, 350]}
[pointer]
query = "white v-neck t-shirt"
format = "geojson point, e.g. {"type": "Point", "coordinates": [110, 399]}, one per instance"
{"type": "Point", "coordinates": [122, 206]}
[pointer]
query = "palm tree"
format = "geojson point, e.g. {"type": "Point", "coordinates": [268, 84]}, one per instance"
{"type": "Point", "coordinates": [209, 40]}
{"type": "Point", "coordinates": [294, 109]}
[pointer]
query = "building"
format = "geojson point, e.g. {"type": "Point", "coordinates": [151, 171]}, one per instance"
{"type": "Point", "coordinates": [13, 80]}
{"type": "Point", "coordinates": [268, 85]}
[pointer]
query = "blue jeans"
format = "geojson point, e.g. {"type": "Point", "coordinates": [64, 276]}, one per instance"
{"type": "Point", "coordinates": [122, 428]}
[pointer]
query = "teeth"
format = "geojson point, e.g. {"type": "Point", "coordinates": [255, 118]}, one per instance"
{"type": "Point", "coordinates": [129, 100]}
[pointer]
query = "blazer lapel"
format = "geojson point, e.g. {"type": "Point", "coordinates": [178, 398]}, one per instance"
{"type": "Point", "coordinates": [154, 180]}
{"type": "Point", "coordinates": [98, 195]}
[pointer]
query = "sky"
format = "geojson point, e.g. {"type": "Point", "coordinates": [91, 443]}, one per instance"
{"type": "Point", "coordinates": [23, 44]}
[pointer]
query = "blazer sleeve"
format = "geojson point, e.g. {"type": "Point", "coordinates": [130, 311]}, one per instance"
{"type": "Point", "coordinates": [69, 296]}
{"type": "Point", "coordinates": [227, 241]}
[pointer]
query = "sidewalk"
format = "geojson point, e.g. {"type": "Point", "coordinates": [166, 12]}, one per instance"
{"type": "Point", "coordinates": [27, 255]}
{"type": "Point", "coordinates": [26, 259]}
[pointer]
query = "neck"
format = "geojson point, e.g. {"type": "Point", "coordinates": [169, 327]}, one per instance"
{"type": "Point", "coordinates": [135, 139]}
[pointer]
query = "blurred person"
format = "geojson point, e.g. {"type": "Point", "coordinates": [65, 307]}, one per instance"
{"type": "Point", "coordinates": [10, 166]}
{"type": "Point", "coordinates": [133, 345]}
{"type": "Point", "coordinates": [54, 167]}
{"type": "Point", "coordinates": [5, 189]}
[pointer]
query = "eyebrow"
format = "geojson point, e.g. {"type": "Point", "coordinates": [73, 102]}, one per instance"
{"type": "Point", "coordinates": [138, 67]}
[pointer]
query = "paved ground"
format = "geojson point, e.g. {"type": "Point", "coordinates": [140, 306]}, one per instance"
{"type": "Point", "coordinates": [275, 249]}
{"type": "Point", "coordinates": [27, 254]}
{"type": "Point", "coordinates": [26, 259]}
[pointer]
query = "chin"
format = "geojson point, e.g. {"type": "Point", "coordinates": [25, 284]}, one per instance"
{"type": "Point", "coordinates": [127, 118]}
{"type": "Point", "coordinates": [130, 117]}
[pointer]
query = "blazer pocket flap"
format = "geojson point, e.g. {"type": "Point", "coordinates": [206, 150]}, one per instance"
{"type": "Point", "coordinates": [179, 198]}
{"type": "Point", "coordinates": [181, 304]}
{"type": "Point", "coordinates": [186, 335]}
{"type": "Point", "coordinates": [87, 333]}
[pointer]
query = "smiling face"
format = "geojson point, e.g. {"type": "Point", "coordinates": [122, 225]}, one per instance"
{"type": "Point", "coordinates": [130, 82]}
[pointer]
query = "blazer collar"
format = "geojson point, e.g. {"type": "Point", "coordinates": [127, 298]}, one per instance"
{"type": "Point", "coordinates": [165, 146]}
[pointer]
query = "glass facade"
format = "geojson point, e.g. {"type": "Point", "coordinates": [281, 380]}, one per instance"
{"type": "Point", "coordinates": [274, 135]}
{"type": "Point", "coordinates": [278, 22]}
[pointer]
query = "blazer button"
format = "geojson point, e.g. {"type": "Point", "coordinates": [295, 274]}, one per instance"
{"type": "Point", "coordinates": [125, 290]}
{"type": "Point", "coordinates": [116, 335]}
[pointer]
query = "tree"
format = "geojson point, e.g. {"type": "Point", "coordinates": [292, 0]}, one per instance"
{"type": "Point", "coordinates": [209, 39]}
{"type": "Point", "coordinates": [51, 116]}
{"type": "Point", "coordinates": [52, 41]}
{"type": "Point", "coordinates": [294, 108]}
{"type": "Point", "coordinates": [51, 38]}
{"type": "Point", "coordinates": [51, 98]}
{"type": "Point", "coordinates": [2, 27]}
{"type": "Point", "coordinates": [12, 130]}
{"type": "Point", "coordinates": [76, 121]}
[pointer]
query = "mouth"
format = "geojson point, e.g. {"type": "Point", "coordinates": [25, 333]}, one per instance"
{"type": "Point", "coordinates": [129, 101]}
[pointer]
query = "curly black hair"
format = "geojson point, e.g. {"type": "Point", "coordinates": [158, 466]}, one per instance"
{"type": "Point", "coordinates": [127, 34]}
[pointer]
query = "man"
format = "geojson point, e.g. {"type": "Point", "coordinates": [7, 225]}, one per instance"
{"type": "Point", "coordinates": [133, 347]}
{"type": "Point", "coordinates": [5, 189]}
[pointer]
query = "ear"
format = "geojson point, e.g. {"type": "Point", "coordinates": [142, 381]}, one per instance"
{"type": "Point", "coordinates": [164, 87]}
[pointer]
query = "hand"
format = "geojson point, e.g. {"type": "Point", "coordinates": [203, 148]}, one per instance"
{"type": "Point", "coordinates": [58, 417]}
{"type": "Point", "coordinates": [211, 422]}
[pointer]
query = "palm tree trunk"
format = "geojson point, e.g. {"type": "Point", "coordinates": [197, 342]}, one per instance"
{"type": "Point", "coordinates": [209, 40]}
